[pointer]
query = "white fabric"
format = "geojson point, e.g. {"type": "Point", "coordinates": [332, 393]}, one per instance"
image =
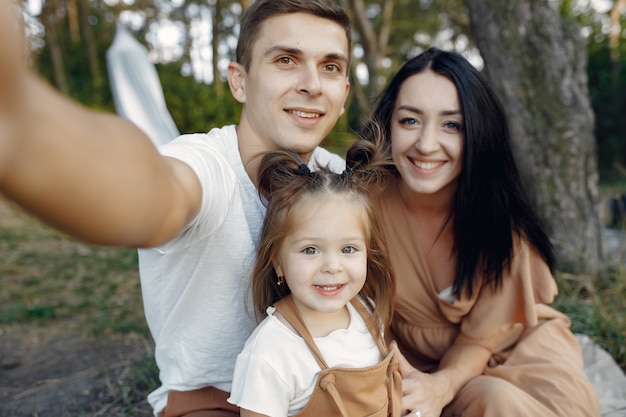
{"type": "Point", "coordinates": [136, 88]}
{"type": "Point", "coordinates": [276, 372]}
{"type": "Point", "coordinates": [196, 287]}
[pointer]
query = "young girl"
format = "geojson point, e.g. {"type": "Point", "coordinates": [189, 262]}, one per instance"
{"type": "Point", "coordinates": [322, 267]}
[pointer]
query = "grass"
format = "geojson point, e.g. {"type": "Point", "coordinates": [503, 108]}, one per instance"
{"type": "Point", "coordinates": [596, 307]}
{"type": "Point", "coordinates": [54, 285]}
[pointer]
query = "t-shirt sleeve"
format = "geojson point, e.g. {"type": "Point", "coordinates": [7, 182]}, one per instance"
{"type": "Point", "coordinates": [528, 283]}
{"type": "Point", "coordinates": [258, 387]}
{"type": "Point", "coordinates": [216, 178]}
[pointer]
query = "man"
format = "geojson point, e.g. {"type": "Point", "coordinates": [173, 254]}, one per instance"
{"type": "Point", "coordinates": [194, 205]}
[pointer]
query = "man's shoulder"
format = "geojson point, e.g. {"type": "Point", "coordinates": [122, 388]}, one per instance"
{"type": "Point", "coordinates": [218, 136]}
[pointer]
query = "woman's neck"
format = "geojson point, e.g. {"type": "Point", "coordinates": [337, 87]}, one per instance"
{"type": "Point", "coordinates": [429, 207]}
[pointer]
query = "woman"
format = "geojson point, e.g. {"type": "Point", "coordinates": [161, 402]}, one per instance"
{"type": "Point", "coordinates": [473, 263]}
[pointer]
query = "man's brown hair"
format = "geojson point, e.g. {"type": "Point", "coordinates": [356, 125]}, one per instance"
{"type": "Point", "coordinates": [261, 10]}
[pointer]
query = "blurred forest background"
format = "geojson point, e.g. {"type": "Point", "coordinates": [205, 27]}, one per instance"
{"type": "Point", "coordinates": [559, 67]}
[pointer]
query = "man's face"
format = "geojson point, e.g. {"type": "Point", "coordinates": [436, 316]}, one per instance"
{"type": "Point", "coordinates": [296, 86]}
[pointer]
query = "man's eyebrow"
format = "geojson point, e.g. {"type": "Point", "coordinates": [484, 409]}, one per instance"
{"type": "Point", "coordinates": [283, 50]}
{"type": "Point", "coordinates": [331, 56]}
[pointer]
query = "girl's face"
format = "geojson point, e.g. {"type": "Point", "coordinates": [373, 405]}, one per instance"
{"type": "Point", "coordinates": [324, 258]}
{"type": "Point", "coordinates": [426, 134]}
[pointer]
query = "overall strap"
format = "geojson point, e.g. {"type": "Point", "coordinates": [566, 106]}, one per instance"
{"type": "Point", "coordinates": [372, 325]}
{"type": "Point", "coordinates": [288, 309]}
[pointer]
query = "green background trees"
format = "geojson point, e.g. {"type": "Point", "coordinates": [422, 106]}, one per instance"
{"type": "Point", "coordinates": [558, 66]}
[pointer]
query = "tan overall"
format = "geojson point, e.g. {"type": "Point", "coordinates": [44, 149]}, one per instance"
{"type": "Point", "coordinates": [374, 391]}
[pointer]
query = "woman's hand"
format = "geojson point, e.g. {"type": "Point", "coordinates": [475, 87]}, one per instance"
{"type": "Point", "coordinates": [423, 394]}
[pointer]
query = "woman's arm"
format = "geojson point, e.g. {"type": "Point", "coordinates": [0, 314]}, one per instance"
{"type": "Point", "coordinates": [430, 393]}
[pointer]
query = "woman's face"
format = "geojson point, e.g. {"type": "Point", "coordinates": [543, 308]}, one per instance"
{"type": "Point", "coordinates": [427, 134]}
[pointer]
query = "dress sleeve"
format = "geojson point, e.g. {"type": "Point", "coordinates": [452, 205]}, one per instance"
{"type": "Point", "coordinates": [258, 387]}
{"type": "Point", "coordinates": [497, 312]}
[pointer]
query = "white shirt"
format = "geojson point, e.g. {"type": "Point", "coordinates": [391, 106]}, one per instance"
{"type": "Point", "coordinates": [276, 372]}
{"type": "Point", "coordinates": [196, 287]}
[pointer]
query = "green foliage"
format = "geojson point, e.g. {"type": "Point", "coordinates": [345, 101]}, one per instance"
{"type": "Point", "coordinates": [82, 86]}
{"type": "Point", "coordinates": [195, 107]}
{"type": "Point", "coordinates": [607, 91]}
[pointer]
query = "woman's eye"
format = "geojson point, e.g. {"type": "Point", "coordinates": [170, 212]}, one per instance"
{"type": "Point", "coordinates": [453, 126]}
{"type": "Point", "coordinates": [409, 121]}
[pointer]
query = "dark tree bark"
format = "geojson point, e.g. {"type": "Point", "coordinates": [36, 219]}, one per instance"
{"type": "Point", "coordinates": [90, 43]}
{"type": "Point", "coordinates": [50, 20]}
{"type": "Point", "coordinates": [536, 61]}
{"type": "Point", "coordinates": [215, 42]}
{"type": "Point", "coordinates": [374, 45]}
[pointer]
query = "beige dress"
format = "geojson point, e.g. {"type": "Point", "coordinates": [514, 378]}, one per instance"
{"type": "Point", "coordinates": [536, 368]}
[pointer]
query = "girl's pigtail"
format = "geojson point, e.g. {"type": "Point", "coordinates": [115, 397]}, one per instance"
{"type": "Point", "coordinates": [370, 161]}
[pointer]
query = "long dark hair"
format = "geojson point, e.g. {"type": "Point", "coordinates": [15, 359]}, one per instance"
{"type": "Point", "coordinates": [491, 207]}
{"type": "Point", "coordinates": [284, 181]}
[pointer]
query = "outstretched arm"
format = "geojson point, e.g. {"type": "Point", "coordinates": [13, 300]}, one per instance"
{"type": "Point", "coordinates": [92, 175]}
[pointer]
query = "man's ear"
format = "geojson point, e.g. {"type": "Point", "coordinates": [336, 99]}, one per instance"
{"type": "Point", "coordinates": [343, 109]}
{"type": "Point", "coordinates": [237, 81]}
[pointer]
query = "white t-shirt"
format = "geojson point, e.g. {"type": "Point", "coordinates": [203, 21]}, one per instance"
{"type": "Point", "coordinates": [276, 372]}
{"type": "Point", "coordinates": [196, 287]}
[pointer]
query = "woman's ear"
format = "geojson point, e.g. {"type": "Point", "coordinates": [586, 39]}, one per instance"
{"type": "Point", "coordinates": [237, 81]}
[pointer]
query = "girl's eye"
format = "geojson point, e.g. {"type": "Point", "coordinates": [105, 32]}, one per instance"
{"type": "Point", "coordinates": [309, 251]}
{"type": "Point", "coordinates": [348, 249]}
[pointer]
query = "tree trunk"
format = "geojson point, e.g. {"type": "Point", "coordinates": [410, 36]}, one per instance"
{"type": "Point", "coordinates": [90, 43]}
{"type": "Point", "coordinates": [374, 49]}
{"type": "Point", "coordinates": [614, 37]}
{"type": "Point", "coordinates": [536, 61]}
{"type": "Point", "coordinates": [218, 86]}
{"type": "Point", "coordinates": [50, 20]}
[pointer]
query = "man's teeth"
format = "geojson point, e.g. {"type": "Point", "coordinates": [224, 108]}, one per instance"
{"type": "Point", "coordinates": [427, 165]}
{"type": "Point", "coordinates": [305, 114]}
